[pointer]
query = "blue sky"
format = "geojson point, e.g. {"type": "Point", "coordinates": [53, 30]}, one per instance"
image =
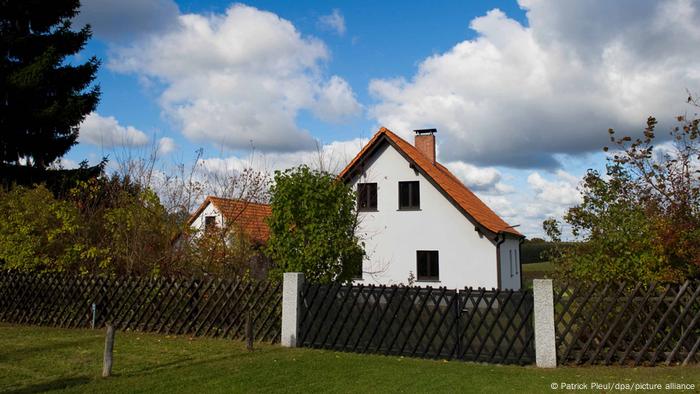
{"type": "Point", "coordinates": [522, 93]}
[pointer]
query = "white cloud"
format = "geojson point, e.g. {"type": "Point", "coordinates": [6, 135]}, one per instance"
{"type": "Point", "coordinates": [64, 163]}
{"type": "Point", "coordinates": [539, 198]}
{"type": "Point", "coordinates": [336, 101]}
{"type": "Point", "coordinates": [518, 94]}
{"type": "Point", "coordinates": [106, 132]}
{"type": "Point", "coordinates": [562, 191]}
{"type": "Point", "coordinates": [332, 157]}
{"type": "Point", "coordinates": [238, 79]}
{"type": "Point", "coordinates": [545, 198]}
{"type": "Point", "coordinates": [484, 179]}
{"type": "Point", "coordinates": [166, 145]}
{"type": "Point", "coordinates": [334, 21]}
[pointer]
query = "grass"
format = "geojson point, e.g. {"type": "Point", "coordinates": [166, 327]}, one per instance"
{"type": "Point", "coordinates": [538, 267]}
{"type": "Point", "coordinates": [35, 359]}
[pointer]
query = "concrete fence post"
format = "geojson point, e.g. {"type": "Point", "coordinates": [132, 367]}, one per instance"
{"type": "Point", "coordinates": [545, 342]}
{"type": "Point", "coordinates": [291, 308]}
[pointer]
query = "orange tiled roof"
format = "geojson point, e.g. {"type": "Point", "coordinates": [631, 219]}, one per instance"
{"type": "Point", "coordinates": [249, 216]}
{"type": "Point", "coordinates": [443, 178]}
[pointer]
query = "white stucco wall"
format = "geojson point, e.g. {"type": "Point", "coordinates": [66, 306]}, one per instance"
{"type": "Point", "coordinates": [210, 210]}
{"type": "Point", "coordinates": [392, 237]}
{"type": "Point", "coordinates": [510, 263]}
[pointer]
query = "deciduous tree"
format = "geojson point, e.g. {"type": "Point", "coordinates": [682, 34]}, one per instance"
{"type": "Point", "coordinates": [641, 219]}
{"type": "Point", "coordinates": [313, 226]}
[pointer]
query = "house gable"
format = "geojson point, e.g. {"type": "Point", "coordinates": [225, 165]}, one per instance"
{"type": "Point", "coordinates": [483, 218]}
{"type": "Point", "coordinates": [394, 237]}
{"type": "Point", "coordinates": [249, 216]}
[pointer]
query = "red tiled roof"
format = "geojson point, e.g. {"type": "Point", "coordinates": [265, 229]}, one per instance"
{"type": "Point", "coordinates": [443, 178]}
{"type": "Point", "coordinates": [249, 216]}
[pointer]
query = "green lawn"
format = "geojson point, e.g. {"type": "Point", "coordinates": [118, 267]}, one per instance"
{"type": "Point", "coordinates": [34, 359]}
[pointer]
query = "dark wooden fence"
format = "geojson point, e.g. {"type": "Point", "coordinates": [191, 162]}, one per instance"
{"type": "Point", "coordinates": [627, 323]}
{"type": "Point", "coordinates": [206, 307]}
{"type": "Point", "coordinates": [476, 325]}
{"type": "Point", "coordinates": [595, 323]}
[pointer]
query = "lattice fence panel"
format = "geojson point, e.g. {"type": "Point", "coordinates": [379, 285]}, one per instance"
{"type": "Point", "coordinates": [478, 325]}
{"type": "Point", "coordinates": [627, 323]}
{"type": "Point", "coordinates": [211, 307]}
{"type": "Point", "coordinates": [497, 326]}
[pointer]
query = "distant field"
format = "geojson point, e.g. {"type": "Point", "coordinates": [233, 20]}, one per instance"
{"type": "Point", "coordinates": [36, 359]}
{"type": "Point", "coordinates": [534, 267]}
{"type": "Point", "coordinates": [536, 271]}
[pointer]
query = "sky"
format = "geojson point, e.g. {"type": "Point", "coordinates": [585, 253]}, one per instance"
{"type": "Point", "coordinates": [522, 93]}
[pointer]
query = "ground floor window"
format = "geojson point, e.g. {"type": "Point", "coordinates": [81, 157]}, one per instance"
{"type": "Point", "coordinates": [357, 272]}
{"type": "Point", "coordinates": [428, 265]}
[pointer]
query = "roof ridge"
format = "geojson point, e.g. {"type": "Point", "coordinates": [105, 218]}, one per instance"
{"type": "Point", "coordinates": [240, 200]}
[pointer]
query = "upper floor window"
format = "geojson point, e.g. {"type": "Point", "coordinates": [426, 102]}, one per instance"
{"type": "Point", "coordinates": [428, 265]}
{"type": "Point", "coordinates": [209, 223]}
{"type": "Point", "coordinates": [367, 197]}
{"type": "Point", "coordinates": [409, 195]}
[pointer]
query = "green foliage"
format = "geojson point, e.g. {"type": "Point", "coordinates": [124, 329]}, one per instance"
{"type": "Point", "coordinates": [534, 251]}
{"type": "Point", "coordinates": [222, 252]}
{"type": "Point", "coordinates": [139, 232]}
{"type": "Point", "coordinates": [45, 97]}
{"type": "Point", "coordinates": [313, 226]}
{"type": "Point", "coordinates": [113, 226]}
{"type": "Point", "coordinates": [40, 233]}
{"type": "Point", "coordinates": [640, 221]}
{"type": "Point", "coordinates": [103, 228]}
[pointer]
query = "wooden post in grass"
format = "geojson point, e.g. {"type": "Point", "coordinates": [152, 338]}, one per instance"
{"type": "Point", "coordinates": [109, 346]}
{"type": "Point", "coordinates": [248, 332]}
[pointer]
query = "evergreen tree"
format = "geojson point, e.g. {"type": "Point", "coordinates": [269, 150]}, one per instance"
{"type": "Point", "coordinates": [43, 97]}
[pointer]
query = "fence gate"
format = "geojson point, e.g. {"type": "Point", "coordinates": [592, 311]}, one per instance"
{"type": "Point", "coordinates": [472, 324]}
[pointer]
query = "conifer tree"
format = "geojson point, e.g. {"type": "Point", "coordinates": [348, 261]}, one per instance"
{"type": "Point", "coordinates": [45, 92]}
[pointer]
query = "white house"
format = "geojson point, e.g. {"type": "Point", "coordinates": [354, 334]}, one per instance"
{"type": "Point", "coordinates": [418, 220]}
{"type": "Point", "coordinates": [249, 217]}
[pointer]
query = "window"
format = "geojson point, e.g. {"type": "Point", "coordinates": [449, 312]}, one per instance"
{"type": "Point", "coordinates": [409, 195]}
{"type": "Point", "coordinates": [510, 255]}
{"type": "Point", "coordinates": [367, 197]}
{"type": "Point", "coordinates": [428, 266]}
{"type": "Point", "coordinates": [209, 223]}
{"type": "Point", "coordinates": [357, 275]}
{"type": "Point", "coordinates": [517, 262]}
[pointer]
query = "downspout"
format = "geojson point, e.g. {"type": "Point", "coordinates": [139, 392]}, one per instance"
{"type": "Point", "coordinates": [498, 257]}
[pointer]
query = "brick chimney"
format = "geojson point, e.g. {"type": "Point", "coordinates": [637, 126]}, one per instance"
{"type": "Point", "coordinates": [425, 143]}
